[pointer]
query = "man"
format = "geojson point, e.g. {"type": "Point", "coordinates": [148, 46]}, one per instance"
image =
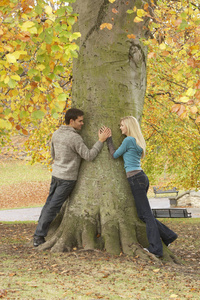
{"type": "Point", "coordinates": [67, 150]}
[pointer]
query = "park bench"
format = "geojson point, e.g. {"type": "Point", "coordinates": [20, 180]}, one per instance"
{"type": "Point", "coordinates": [171, 213]}
{"type": "Point", "coordinates": [165, 190]}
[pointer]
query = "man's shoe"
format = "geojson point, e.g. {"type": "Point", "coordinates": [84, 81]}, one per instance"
{"type": "Point", "coordinates": [38, 240]}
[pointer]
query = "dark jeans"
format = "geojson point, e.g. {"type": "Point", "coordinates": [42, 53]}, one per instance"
{"type": "Point", "coordinates": [60, 190]}
{"type": "Point", "coordinates": [156, 231]}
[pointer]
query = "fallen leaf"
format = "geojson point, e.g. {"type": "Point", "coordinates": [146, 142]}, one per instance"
{"type": "Point", "coordinates": [156, 270]}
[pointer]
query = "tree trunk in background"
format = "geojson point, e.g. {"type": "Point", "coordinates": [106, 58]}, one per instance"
{"type": "Point", "coordinates": [109, 82]}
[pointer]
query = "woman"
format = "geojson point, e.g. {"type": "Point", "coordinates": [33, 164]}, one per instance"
{"type": "Point", "coordinates": [133, 149]}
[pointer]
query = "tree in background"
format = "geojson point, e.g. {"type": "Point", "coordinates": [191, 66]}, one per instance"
{"type": "Point", "coordinates": [36, 51]}
{"type": "Point", "coordinates": [171, 117]}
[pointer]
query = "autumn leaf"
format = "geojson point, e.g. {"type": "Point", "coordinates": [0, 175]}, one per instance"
{"type": "Point", "coordinates": [131, 36]}
{"type": "Point", "coordinates": [106, 25]}
{"type": "Point", "coordinates": [197, 120]}
{"type": "Point", "coordinates": [138, 20]}
{"type": "Point", "coordinates": [115, 11]}
{"type": "Point", "coordinates": [156, 270]}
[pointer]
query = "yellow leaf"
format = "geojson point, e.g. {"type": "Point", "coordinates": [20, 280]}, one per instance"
{"type": "Point", "coordinates": [58, 91]}
{"type": "Point", "coordinates": [24, 16]}
{"type": "Point", "coordinates": [30, 109]}
{"type": "Point", "coordinates": [184, 99]}
{"type": "Point", "coordinates": [48, 10]}
{"type": "Point", "coordinates": [137, 20]}
{"type": "Point", "coordinates": [106, 25]}
{"type": "Point", "coordinates": [61, 104]}
{"type": "Point", "coordinates": [141, 13]}
{"type": "Point", "coordinates": [5, 124]}
{"type": "Point", "coordinates": [26, 25]}
{"type": "Point", "coordinates": [17, 54]}
{"type": "Point", "coordinates": [111, 1]}
{"type": "Point", "coordinates": [162, 46]}
{"type": "Point", "coordinates": [190, 92]}
{"type": "Point", "coordinates": [33, 30]}
{"type": "Point", "coordinates": [40, 67]}
{"type": "Point", "coordinates": [156, 270]}
{"type": "Point", "coordinates": [16, 77]}
{"type": "Point", "coordinates": [40, 30]}
{"type": "Point", "coordinates": [11, 58]}
{"type": "Point", "coordinates": [6, 80]}
{"type": "Point", "coordinates": [35, 98]}
{"type": "Point", "coordinates": [173, 296]}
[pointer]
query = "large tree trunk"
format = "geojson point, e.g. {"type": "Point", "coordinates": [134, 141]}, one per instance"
{"type": "Point", "coordinates": [109, 82]}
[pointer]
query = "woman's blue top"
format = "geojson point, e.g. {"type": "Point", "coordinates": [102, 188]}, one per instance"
{"type": "Point", "coordinates": [131, 152]}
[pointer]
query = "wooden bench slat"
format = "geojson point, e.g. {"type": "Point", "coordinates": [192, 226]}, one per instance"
{"type": "Point", "coordinates": [171, 213]}
{"type": "Point", "coordinates": [158, 190]}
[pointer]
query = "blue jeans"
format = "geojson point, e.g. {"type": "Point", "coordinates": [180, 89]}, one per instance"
{"type": "Point", "coordinates": [156, 231]}
{"type": "Point", "coordinates": [60, 190]}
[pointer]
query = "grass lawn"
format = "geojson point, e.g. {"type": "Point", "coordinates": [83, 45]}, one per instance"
{"type": "Point", "coordinates": [12, 172]}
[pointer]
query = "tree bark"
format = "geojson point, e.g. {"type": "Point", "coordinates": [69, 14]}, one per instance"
{"type": "Point", "coordinates": [109, 82]}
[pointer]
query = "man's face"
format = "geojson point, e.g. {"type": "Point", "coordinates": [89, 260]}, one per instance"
{"type": "Point", "coordinates": [77, 124]}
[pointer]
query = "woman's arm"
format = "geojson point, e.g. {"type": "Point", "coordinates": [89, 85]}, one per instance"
{"type": "Point", "coordinates": [115, 153]}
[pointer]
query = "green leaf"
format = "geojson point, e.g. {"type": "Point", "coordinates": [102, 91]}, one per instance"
{"type": "Point", "coordinates": [70, 9]}
{"type": "Point", "coordinates": [38, 9]}
{"type": "Point", "coordinates": [38, 114]}
{"type": "Point", "coordinates": [129, 11]}
{"type": "Point", "coordinates": [55, 48]}
{"type": "Point", "coordinates": [55, 116]}
{"type": "Point", "coordinates": [12, 83]}
{"type": "Point", "coordinates": [71, 20]}
{"type": "Point", "coordinates": [24, 114]}
{"type": "Point", "coordinates": [49, 98]}
{"type": "Point", "coordinates": [28, 96]}
{"type": "Point", "coordinates": [41, 58]}
{"type": "Point", "coordinates": [183, 25]}
{"type": "Point", "coordinates": [33, 72]}
{"type": "Point", "coordinates": [47, 70]}
{"type": "Point", "coordinates": [59, 69]}
{"type": "Point", "coordinates": [37, 78]}
{"type": "Point", "coordinates": [62, 97]}
{"type": "Point", "coordinates": [61, 11]}
{"type": "Point", "coordinates": [7, 111]}
{"type": "Point", "coordinates": [74, 53]}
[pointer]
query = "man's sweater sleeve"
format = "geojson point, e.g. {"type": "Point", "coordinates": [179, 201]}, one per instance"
{"type": "Point", "coordinates": [84, 152]}
{"type": "Point", "coordinates": [52, 150]}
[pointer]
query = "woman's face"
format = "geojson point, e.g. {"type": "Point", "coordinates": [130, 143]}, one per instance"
{"type": "Point", "coordinates": [123, 128]}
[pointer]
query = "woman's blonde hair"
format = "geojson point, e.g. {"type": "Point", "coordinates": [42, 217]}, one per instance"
{"type": "Point", "coordinates": [133, 129]}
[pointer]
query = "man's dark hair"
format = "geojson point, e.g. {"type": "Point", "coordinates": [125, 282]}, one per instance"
{"type": "Point", "coordinates": [73, 113]}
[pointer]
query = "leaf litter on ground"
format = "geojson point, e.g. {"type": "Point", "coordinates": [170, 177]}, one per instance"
{"type": "Point", "coordinates": [29, 274]}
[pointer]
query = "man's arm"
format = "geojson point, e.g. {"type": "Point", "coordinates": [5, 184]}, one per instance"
{"type": "Point", "coordinates": [83, 151]}
{"type": "Point", "coordinates": [52, 150]}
